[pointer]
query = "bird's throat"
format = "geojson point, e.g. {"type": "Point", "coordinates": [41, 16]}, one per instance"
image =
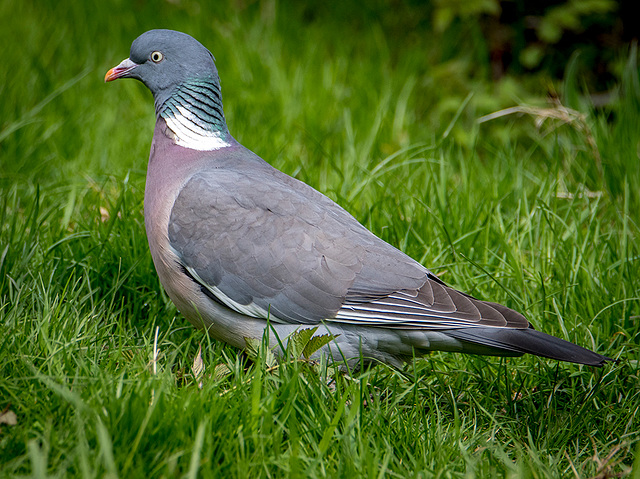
{"type": "Point", "coordinates": [194, 115]}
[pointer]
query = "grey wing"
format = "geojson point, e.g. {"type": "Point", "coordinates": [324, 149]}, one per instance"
{"type": "Point", "coordinates": [270, 246]}
{"type": "Point", "coordinates": [265, 248]}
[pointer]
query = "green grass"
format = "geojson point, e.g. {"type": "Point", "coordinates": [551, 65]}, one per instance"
{"type": "Point", "coordinates": [95, 361]}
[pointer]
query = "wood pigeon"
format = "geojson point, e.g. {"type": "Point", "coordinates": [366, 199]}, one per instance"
{"type": "Point", "coordinates": [241, 248]}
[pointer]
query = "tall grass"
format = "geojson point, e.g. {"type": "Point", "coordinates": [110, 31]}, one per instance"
{"type": "Point", "coordinates": [102, 372]}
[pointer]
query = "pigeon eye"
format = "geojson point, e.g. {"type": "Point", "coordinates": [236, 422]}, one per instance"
{"type": "Point", "coordinates": [156, 57]}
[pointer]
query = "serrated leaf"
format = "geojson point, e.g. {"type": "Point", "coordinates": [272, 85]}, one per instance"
{"type": "Point", "coordinates": [254, 349]}
{"type": "Point", "coordinates": [298, 340]}
{"type": "Point", "coordinates": [221, 371]}
{"type": "Point", "coordinates": [316, 343]}
{"type": "Point", "coordinates": [269, 358]}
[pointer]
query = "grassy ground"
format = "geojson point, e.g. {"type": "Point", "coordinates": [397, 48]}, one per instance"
{"type": "Point", "coordinates": [97, 367]}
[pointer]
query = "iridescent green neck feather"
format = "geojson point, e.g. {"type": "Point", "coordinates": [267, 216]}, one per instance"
{"type": "Point", "coordinates": [194, 115]}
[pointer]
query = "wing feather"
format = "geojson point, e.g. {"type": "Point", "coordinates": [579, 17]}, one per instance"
{"type": "Point", "coordinates": [261, 241]}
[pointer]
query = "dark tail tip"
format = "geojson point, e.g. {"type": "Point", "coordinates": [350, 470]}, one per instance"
{"type": "Point", "coordinates": [530, 341]}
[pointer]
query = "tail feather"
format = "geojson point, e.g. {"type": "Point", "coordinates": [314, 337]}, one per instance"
{"type": "Point", "coordinates": [519, 341]}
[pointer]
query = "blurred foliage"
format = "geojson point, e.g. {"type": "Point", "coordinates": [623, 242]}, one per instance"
{"type": "Point", "coordinates": [528, 35]}
{"type": "Point", "coordinates": [532, 36]}
{"type": "Point", "coordinates": [512, 36]}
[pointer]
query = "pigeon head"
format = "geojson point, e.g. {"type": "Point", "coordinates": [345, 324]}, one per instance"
{"type": "Point", "coordinates": [164, 59]}
{"type": "Point", "coordinates": [181, 74]}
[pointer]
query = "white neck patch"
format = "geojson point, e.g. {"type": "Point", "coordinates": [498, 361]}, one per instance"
{"type": "Point", "coordinates": [188, 133]}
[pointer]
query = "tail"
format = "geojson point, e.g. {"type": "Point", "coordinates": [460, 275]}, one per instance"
{"type": "Point", "coordinates": [514, 342]}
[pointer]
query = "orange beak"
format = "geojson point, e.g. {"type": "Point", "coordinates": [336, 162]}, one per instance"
{"type": "Point", "coordinates": [120, 71]}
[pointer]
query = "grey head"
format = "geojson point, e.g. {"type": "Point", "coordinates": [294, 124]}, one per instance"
{"type": "Point", "coordinates": [182, 75]}
{"type": "Point", "coordinates": [164, 59]}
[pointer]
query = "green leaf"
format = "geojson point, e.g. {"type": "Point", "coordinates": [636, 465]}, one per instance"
{"type": "Point", "coordinates": [315, 343]}
{"type": "Point", "coordinates": [252, 348]}
{"type": "Point", "coordinates": [531, 56]}
{"type": "Point", "coordinates": [259, 352]}
{"type": "Point", "coordinates": [221, 371]}
{"type": "Point", "coordinates": [298, 340]}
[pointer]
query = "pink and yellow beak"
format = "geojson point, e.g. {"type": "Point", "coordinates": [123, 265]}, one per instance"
{"type": "Point", "coordinates": [120, 70]}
